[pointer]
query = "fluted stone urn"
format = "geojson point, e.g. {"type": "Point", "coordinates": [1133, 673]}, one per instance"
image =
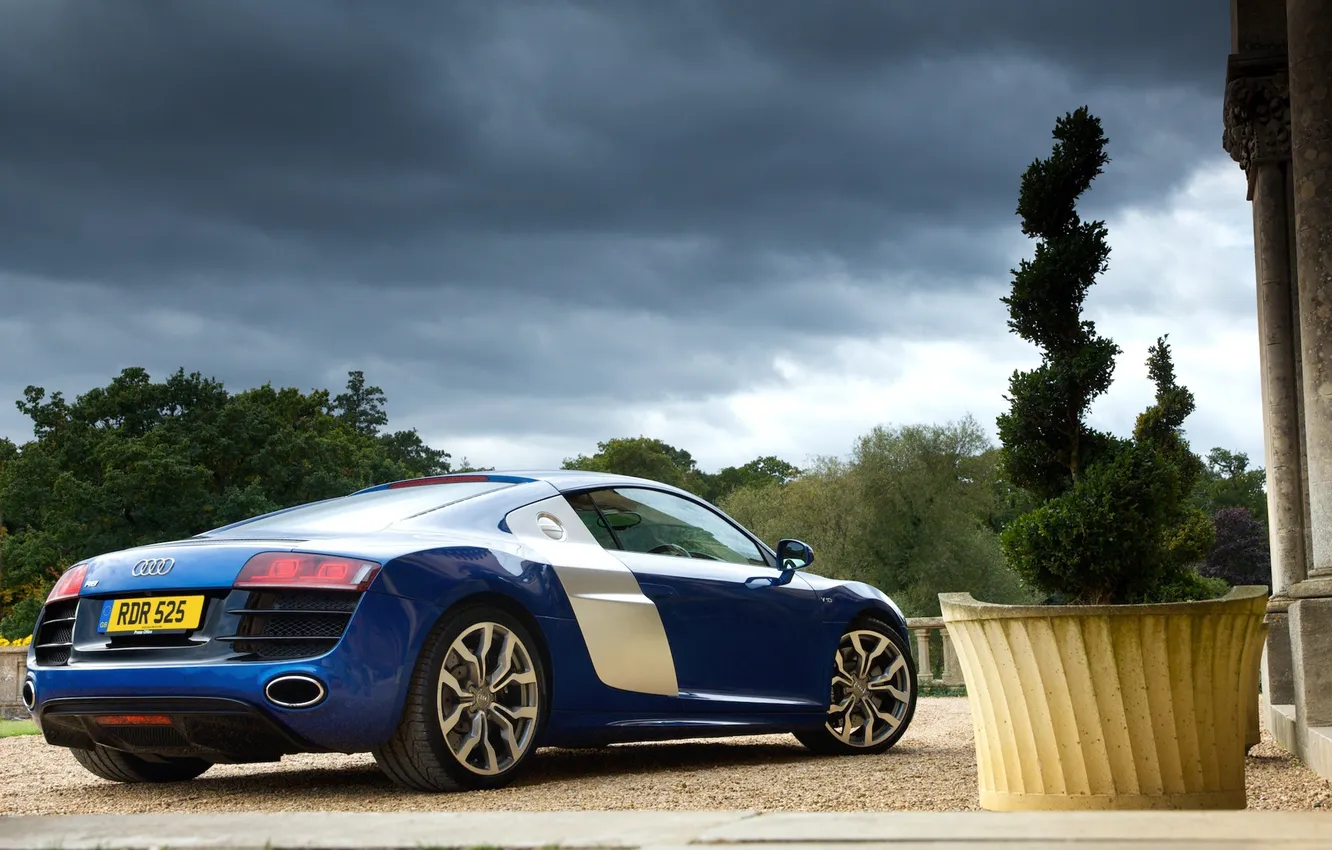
{"type": "Point", "coordinates": [1080, 707]}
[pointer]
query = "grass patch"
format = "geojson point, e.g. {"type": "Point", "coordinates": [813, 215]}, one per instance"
{"type": "Point", "coordinates": [13, 728]}
{"type": "Point", "coordinates": [942, 691]}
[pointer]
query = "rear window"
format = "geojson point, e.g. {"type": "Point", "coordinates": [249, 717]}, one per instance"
{"type": "Point", "coordinates": [367, 512]}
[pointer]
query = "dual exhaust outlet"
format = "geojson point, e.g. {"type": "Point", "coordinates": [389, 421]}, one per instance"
{"type": "Point", "coordinates": [293, 690]}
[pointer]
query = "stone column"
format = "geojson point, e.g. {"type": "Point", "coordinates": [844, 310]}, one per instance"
{"type": "Point", "coordinates": [952, 669]}
{"type": "Point", "coordinates": [1309, 47]}
{"type": "Point", "coordinates": [1281, 409]}
{"type": "Point", "coordinates": [924, 670]}
{"type": "Point", "coordinates": [1257, 136]}
{"type": "Point", "coordinates": [1312, 648]}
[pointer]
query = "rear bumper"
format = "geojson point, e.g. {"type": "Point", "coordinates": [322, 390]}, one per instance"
{"type": "Point", "coordinates": [365, 676]}
{"type": "Point", "coordinates": [219, 730]}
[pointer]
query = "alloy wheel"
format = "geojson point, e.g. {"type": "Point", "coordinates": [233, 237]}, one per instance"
{"type": "Point", "coordinates": [871, 689]}
{"type": "Point", "coordinates": [489, 700]}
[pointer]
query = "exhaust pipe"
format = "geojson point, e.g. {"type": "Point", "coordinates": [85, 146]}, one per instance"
{"type": "Point", "coordinates": [295, 690]}
{"type": "Point", "coordinates": [28, 694]}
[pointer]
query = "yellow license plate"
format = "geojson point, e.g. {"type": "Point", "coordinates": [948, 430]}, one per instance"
{"type": "Point", "coordinates": [155, 614]}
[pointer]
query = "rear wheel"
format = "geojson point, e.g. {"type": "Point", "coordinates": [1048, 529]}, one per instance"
{"type": "Point", "coordinates": [873, 693]}
{"type": "Point", "coordinates": [124, 767]}
{"type": "Point", "coordinates": [476, 704]}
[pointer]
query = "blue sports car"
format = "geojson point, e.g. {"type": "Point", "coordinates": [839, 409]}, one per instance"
{"type": "Point", "coordinates": [451, 625]}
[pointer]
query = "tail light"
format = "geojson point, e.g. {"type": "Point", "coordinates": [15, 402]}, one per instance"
{"type": "Point", "coordinates": [311, 572]}
{"type": "Point", "coordinates": [69, 584]}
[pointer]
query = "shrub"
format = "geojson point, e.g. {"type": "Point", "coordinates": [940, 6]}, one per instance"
{"type": "Point", "coordinates": [1242, 554]}
{"type": "Point", "coordinates": [21, 620]}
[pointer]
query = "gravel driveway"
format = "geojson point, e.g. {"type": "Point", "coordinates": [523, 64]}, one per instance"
{"type": "Point", "coordinates": [932, 768]}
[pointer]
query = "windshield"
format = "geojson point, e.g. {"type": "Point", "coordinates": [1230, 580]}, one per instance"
{"type": "Point", "coordinates": [363, 513]}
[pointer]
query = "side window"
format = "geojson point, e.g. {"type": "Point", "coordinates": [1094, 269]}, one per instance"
{"type": "Point", "coordinates": [587, 511]}
{"type": "Point", "coordinates": [659, 523]}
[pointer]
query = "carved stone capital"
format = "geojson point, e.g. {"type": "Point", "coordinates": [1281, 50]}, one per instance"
{"type": "Point", "coordinates": [1257, 119]}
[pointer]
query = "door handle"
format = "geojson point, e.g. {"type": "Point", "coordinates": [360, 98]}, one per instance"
{"type": "Point", "coordinates": [769, 581]}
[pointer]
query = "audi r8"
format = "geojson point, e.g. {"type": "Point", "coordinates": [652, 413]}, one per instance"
{"type": "Point", "coordinates": [451, 626]}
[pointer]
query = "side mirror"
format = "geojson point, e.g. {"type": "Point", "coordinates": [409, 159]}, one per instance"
{"type": "Point", "coordinates": [794, 555]}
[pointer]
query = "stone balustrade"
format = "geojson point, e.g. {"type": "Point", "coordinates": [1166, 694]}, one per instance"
{"type": "Point", "coordinates": [13, 670]}
{"type": "Point", "coordinates": [950, 672]}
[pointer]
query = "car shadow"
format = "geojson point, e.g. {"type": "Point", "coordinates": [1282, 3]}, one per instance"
{"type": "Point", "coordinates": [547, 766]}
{"type": "Point", "coordinates": [553, 765]}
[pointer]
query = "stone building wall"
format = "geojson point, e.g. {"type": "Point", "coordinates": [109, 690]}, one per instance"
{"type": "Point", "coordinates": [13, 670]}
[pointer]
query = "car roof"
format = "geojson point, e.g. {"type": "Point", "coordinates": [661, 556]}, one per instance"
{"type": "Point", "coordinates": [563, 480]}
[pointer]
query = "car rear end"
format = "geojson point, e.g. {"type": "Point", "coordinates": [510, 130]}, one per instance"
{"type": "Point", "coordinates": [258, 639]}
{"type": "Point", "coordinates": [218, 650]}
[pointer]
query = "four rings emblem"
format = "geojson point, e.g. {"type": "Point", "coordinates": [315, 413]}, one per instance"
{"type": "Point", "coordinates": [153, 567]}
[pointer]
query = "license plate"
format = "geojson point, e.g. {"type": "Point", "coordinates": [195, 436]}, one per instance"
{"type": "Point", "coordinates": [154, 614]}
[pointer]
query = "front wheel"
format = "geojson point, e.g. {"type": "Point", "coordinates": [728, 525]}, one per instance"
{"type": "Point", "coordinates": [873, 694]}
{"type": "Point", "coordinates": [475, 708]}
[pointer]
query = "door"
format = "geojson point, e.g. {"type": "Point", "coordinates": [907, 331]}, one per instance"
{"type": "Point", "coordinates": [740, 641]}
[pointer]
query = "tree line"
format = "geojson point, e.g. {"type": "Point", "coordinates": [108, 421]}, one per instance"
{"type": "Point", "coordinates": [915, 510]}
{"type": "Point", "coordinates": [139, 461]}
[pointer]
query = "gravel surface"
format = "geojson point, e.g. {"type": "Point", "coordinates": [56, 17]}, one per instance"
{"type": "Point", "coordinates": [932, 768]}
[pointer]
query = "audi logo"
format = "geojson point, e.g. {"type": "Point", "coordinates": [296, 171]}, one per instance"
{"type": "Point", "coordinates": [153, 567]}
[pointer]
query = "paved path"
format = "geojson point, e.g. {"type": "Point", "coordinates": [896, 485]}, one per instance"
{"type": "Point", "coordinates": [673, 830]}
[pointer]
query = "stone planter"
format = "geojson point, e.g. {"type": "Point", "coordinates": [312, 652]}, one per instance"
{"type": "Point", "coordinates": [1110, 707]}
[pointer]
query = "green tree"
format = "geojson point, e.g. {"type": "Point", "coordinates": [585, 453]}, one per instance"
{"type": "Point", "coordinates": [1010, 501]}
{"type": "Point", "coordinates": [139, 461]}
{"type": "Point", "coordinates": [8, 453]}
{"type": "Point", "coordinates": [646, 457]}
{"type": "Point", "coordinates": [406, 449]}
{"type": "Point", "coordinates": [908, 512]}
{"type": "Point", "coordinates": [1228, 482]}
{"type": "Point", "coordinates": [1242, 554]}
{"type": "Point", "coordinates": [764, 470]}
{"type": "Point", "coordinates": [1114, 524]}
{"type": "Point", "coordinates": [18, 623]}
{"type": "Point", "coordinates": [933, 489]}
{"type": "Point", "coordinates": [361, 406]}
{"type": "Point", "coordinates": [1046, 440]}
{"type": "Point", "coordinates": [643, 457]}
{"type": "Point", "coordinates": [822, 507]}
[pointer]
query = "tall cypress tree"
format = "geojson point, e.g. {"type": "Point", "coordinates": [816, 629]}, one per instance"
{"type": "Point", "coordinates": [1047, 443]}
{"type": "Point", "coordinates": [1114, 525]}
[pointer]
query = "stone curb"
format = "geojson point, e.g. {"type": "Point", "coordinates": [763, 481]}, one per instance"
{"type": "Point", "coordinates": [662, 830]}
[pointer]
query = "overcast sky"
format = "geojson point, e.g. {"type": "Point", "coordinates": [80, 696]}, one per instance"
{"type": "Point", "coordinates": [744, 226]}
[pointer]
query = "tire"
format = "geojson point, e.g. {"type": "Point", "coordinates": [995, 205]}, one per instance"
{"type": "Point", "coordinates": [124, 767]}
{"type": "Point", "coordinates": [893, 701]}
{"type": "Point", "coordinates": [445, 709]}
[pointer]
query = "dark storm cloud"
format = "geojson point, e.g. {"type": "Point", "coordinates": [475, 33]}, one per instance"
{"type": "Point", "coordinates": [381, 141]}
{"type": "Point", "coordinates": [460, 186]}
{"type": "Point", "coordinates": [1136, 40]}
